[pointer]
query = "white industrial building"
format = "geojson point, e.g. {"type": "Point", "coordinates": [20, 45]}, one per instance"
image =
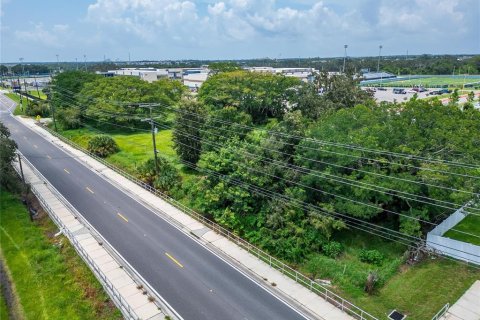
{"type": "Point", "coordinates": [304, 74]}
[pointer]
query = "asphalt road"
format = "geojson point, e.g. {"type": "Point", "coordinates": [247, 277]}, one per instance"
{"type": "Point", "coordinates": [195, 282]}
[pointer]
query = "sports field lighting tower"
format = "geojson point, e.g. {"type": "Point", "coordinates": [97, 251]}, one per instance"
{"type": "Point", "coordinates": [345, 46]}
{"type": "Point", "coordinates": [85, 61]}
{"type": "Point", "coordinates": [23, 68]}
{"type": "Point", "coordinates": [379, 55]}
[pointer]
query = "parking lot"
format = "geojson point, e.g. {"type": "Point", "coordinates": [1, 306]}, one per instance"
{"type": "Point", "coordinates": [389, 96]}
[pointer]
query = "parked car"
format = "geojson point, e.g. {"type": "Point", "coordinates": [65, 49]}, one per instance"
{"type": "Point", "coordinates": [381, 89]}
{"type": "Point", "coordinates": [419, 89]}
{"type": "Point", "coordinates": [399, 91]}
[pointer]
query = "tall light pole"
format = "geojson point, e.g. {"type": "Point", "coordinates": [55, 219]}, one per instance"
{"type": "Point", "coordinates": [345, 46]}
{"type": "Point", "coordinates": [379, 55]}
{"type": "Point", "coordinates": [58, 65]}
{"type": "Point", "coordinates": [21, 63]}
{"type": "Point", "coordinates": [85, 61]}
{"type": "Point", "coordinates": [76, 63]}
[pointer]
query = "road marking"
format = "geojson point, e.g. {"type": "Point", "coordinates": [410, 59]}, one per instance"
{"type": "Point", "coordinates": [35, 146]}
{"type": "Point", "coordinates": [121, 216]}
{"type": "Point", "coordinates": [49, 157]}
{"type": "Point", "coordinates": [90, 190]}
{"type": "Point", "coordinates": [174, 260]}
{"type": "Point", "coordinates": [66, 171]}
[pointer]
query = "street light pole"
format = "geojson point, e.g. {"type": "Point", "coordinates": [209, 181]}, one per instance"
{"type": "Point", "coordinates": [345, 46]}
{"type": "Point", "coordinates": [379, 54]}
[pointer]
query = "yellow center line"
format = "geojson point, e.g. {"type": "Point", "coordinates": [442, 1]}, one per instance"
{"type": "Point", "coordinates": [90, 190]}
{"type": "Point", "coordinates": [174, 260]}
{"type": "Point", "coordinates": [121, 216]}
{"type": "Point", "coordinates": [49, 157]}
{"type": "Point", "coordinates": [66, 171]}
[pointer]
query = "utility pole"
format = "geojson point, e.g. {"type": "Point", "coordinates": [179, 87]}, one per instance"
{"type": "Point", "coordinates": [36, 86]}
{"type": "Point", "coordinates": [345, 46]}
{"type": "Point", "coordinates": [21, 168]}
{"type": "Point", "coordinates": [152, 125]}
{"type": "Point", "coordinates": [26, 96]}
{"type": "Point", "coordinates": [20, 92]}
{"type": "Point", "coordinates": [379, 54]}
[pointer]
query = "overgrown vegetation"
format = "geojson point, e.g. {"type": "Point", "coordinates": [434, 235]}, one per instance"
{"type": "Point", "coordinates": [301, 174]}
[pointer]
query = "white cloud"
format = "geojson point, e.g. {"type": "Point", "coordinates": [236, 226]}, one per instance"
{"type": "Point", "coordinates": [53, 37]}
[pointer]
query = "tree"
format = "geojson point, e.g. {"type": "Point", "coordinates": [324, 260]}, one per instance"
{"type": "Point", "coordinates": [262, 96]}
{"type": "Point", "coordinates": [189, 120]}
{"type": "Point", "coordinates": [8, 176]}
{"type": "Point", "coordinates": [471, 96]}
{"type": "Point", "coordinates": [223, 66]}
{"type": "Point", "coordinates": [117, 99]}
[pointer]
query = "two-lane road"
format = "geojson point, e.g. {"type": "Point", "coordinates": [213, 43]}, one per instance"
{"type": "Point", "coordinates": [195, 282]}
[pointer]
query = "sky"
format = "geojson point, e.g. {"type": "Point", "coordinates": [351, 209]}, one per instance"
{"type": "Point", "coordinates": [234, 29]}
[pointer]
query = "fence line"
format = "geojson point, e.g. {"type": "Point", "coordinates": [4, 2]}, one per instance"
{"type": "Point", "coordinates": [441, 312]}
{"type": "Point", "coordinates": [300, 278]}
{"type": "Point", "coordinates": [107, 285]}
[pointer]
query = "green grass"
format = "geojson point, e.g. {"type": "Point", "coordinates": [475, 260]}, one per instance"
{"type": "Point", "coordinates": [50, 282]}
{"type": "Point", "coordinates": [19, 110]}
{"type": "Point", "coordinates": [419, 291]}
{"type": "Point", "coordinates": [3, 306]}
{"type": "Point", "coordinates": [470, 224]}
{"type": "Point", "coordinates": [430, 82]}
{"type": "Point", "coordinates": [35, 93]}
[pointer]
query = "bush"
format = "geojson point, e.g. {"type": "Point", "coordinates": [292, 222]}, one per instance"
{"type": "Point", "coordinates": [332, 249]}
{"type": "Point", "coordinates": [69, 118]}
{"type": "Point", "coordinates": [371, 256]}
{"type": "Point", "coordinates": [35, 108]}
{"type": "Point", "coordinates": [167, 177]}
{"type": "Point", "coordinates": [102, 146]}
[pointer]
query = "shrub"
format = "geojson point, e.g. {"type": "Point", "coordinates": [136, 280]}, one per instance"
{"type": "Point", "coordinates": [332, 249]}
{"type": "Point", "coordinates": [35, 108]}
{"type": "Point", "coordinates": [102, 146]}
{"type": "Point", "coordinates": [165, 180]}
{"type": "Point", "coordinates": [371, 256]}
{"type": "Point", "coordinates": [69, 118]}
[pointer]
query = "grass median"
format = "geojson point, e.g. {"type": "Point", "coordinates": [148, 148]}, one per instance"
{"type": "Point", "coordinates": [51, 280]}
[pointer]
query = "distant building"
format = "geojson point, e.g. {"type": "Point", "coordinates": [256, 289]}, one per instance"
{"type": "Point", "coordinates": [191, 77]}
{"type": "Point", "coordinates": [304, 74]}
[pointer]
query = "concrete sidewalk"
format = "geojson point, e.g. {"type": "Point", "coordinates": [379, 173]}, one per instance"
{"type": "Point", "coordinates": [270, 278]}
{"type": "Point", "coordinates": [120, 286]}
{"type": "Point", "coordinates": [467, 307]}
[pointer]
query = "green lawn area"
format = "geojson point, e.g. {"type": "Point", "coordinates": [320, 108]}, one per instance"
{"type": "Point", "coordinates": [51, 282]}
{"type": "Point", "coordinates": [35, 93]}
{"type": "Point", "coordinates": [3, 306]}
{"type": "Point", "coordinates": [420, 291]}
{"type": "Point", "coordinates": [470, 224]}
{"type": "Point", "coordinates": [15, 97]}
{"type": "Point", "coordinates": [431, 82]}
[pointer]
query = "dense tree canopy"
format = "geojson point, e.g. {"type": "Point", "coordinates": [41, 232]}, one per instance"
{"type": "Point", "coordinates": [259, 95]}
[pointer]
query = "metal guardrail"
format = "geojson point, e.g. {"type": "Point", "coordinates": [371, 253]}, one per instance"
{"type": "Point", "coordinates": [300, 278]}
{"type": "Point", "coordinates": [441, 312]}
{"type": "Point", "coordinates": [107, 285]}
